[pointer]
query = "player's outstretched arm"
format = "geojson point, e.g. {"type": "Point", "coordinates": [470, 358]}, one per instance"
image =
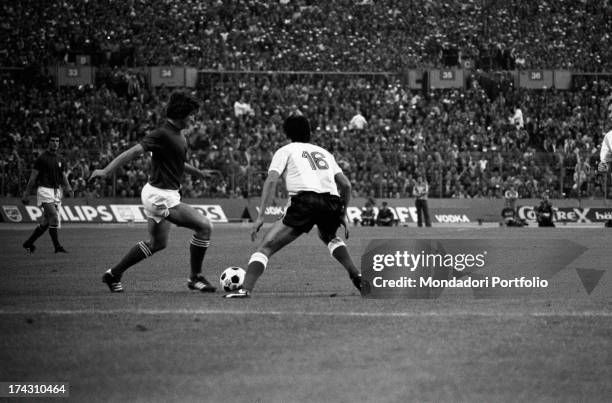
{"type": "Point", "coordinates": [344, 188]}
{"type": "Point", "coordinates": [202, 173]}
{"type": "Point", "coordinates": [267, 193]}
{"type": "Point", "coordinates": [126, 156]}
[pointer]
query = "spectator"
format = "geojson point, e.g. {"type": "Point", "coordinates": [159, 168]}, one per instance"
{"type": "Point", "coordinates": [517, 118]}
{"type": "Point", "coordinates": [367, 214]}
{"type": "Point", "coordinates": [545, 214]}
{"type": "Point", "coordinates": [421, 189]}
{"type": "Point", "coordinates": [358, 122]}
{"type": "Point", "coordinates": [343, 35]}
{"type": "Point", "coordinates": [510, 217]}
{"type": "Point", "coordinates": [385, 217]}
{"type": "Point", "coordinates": [406, 134]}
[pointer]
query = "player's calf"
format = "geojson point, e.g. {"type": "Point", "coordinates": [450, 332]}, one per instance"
{"type": "Point", "coordinates": [137, 253]}
{"type": "Point", "coordinates": [356, 280]}
{"type": "Point", "coordinates": [197, 250]}
{"type": "Point", "coordinates": [257, 264]}
{"type": "Point", "coordinates": [338, 250]}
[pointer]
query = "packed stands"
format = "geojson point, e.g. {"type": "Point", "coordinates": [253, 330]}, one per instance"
{"type": "Point", "coordinates": [471, 142]}
{"type": "Point", "coordinates": [345, 35]}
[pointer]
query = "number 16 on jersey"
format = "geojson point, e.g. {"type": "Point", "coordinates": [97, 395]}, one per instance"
{"type": "Point", "coordinates": [316, 160]}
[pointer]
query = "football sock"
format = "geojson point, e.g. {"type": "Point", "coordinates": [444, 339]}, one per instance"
{"type": "Point", "coordinates": [337, 248]}
{"type": "Point", "coordinates": [257, 265]}
{"type": "Point", "coordinates": [38, 231]}
{"type": "Point", "coordinates": [53, 234]}
{"type": "Point", "coordinates": [197, 250]}
{"type": "Point", "coordinates": [140, 251]}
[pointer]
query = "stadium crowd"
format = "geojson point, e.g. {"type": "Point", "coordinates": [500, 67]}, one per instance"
{"type": "Point", "coordinates": [344, 35]}
{"type": "Point", "coordinates": [473, 142]}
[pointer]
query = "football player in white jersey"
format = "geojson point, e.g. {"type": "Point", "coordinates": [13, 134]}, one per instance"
{"type": "Point", "coordinates": [319, 193]}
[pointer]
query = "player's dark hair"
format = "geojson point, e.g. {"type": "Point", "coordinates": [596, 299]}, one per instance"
{"type": "Point", "coordinates": [181, 105]}
{"type": "Point", "coordinates": [297, 128]}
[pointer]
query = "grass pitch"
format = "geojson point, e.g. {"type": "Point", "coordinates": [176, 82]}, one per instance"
{"type": "Point", "coordinates": [305, 336]}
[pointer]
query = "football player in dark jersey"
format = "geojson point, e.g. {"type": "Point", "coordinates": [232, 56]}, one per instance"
{"type": "Point", "coordinates": [49, 178]}
{"type": "Point", "coordinates": [160, 196]}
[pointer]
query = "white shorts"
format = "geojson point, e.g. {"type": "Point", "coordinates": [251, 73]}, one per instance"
{"type": "Point", "coordinates": [48, 195]}
{"type": "Point", "coordinates": [158, 202]}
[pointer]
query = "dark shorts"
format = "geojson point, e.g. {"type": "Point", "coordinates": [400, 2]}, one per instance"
{"type": "Point", "coordinates": [308, 209]}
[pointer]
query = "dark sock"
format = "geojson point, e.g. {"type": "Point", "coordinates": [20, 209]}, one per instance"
{"type": "Point", "coordinates": [341, 255]}
{"type": "Point", "coordinates": [139, 252]}
{"type": "Point", "coordinates": [53, 233]}
{"type": "Point", "coordinates": [38, 231]}
{"type": "Point", "coordinates": [197, 250]}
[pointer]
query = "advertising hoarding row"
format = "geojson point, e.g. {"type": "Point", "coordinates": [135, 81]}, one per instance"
{"type": "Point", "coordinates": [235, 210]}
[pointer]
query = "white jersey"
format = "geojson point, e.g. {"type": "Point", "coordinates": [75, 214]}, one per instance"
{"type": "Point", "coordinates": [306, 168]}
{"type": "Point", "coordinates": [421, 190]}
{"type": "Point", "coordinates": [605, 155]}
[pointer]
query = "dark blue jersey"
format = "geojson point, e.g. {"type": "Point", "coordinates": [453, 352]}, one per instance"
{"type": "Point", "coordinates": [169, 148]}
{"type": "Point", "coordinates": [50, 167]}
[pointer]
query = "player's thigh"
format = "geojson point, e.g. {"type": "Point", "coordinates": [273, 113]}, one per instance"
{"type": "Point", "coordinates": [329, 219]}
{"type": "Point", "coordinates": [159, 232]}
{"type": "Point", "coordinates": [327, 230]}
{"type": "Point", "coordinates": [49, 210]}
{"type": "Point", "coordinates": [277, 237]}
{"type": "Point", "coordinates": [50, 213]}
{"type": "Point", "coordinates": [326, 236]}
{"type": "Point", "coordinates": [184, 215]}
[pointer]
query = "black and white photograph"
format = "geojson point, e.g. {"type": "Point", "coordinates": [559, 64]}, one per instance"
{"type": "Point", "coordinates": [260, 201]}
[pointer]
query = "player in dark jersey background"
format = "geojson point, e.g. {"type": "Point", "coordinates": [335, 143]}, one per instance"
{"type": "Point", "coordinates": [49, 178]}
{"type": "Point", "coordinates": [161, 197]}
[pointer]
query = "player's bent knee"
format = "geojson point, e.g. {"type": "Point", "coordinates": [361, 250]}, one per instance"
{"type": "Point", "coordinates": [334, 244]}
{"type": "Point", "coordinates": [204, 228]}
{"type": "Point", "coordinates": [203, 233]}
